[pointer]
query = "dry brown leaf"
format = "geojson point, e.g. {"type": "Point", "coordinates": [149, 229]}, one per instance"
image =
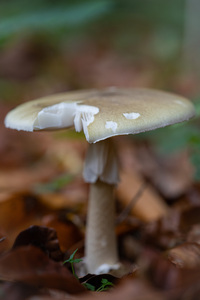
{"type": "Point", "coordinates": [4, 243]}
{"type": "Point", "coordinates": [18, 209]}
{"type": "Point", "coordinates": [17, 212]}
{"type": "Point", "coordinates": [53, 295]}
{"type": "Point", "coordinates": [30, 265]}
{"type": "Point", "coordinates": [172, 175]}
{"type": "Point", "coordinates": [186, 255]}
{"type": "Point", "coordinates": [193, 235]}
{"type": "Point", "coordinates": [164, 233]}
{"type": "Point", "coordinates": [68, 233]}
{"type": "Point", "coordinates": [42, 237]}
{"type": "Point", "coordinates": [16, 291]}
{"type": "Point", "coordinates": [189, 217]}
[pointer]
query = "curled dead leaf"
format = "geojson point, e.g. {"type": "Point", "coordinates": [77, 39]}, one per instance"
{"type": "Point", "coordinates": [42, 237]}
{"type": "Point", "coordinates": [31, 266]}
{"type": "Point", "coordinates": [68, 233]}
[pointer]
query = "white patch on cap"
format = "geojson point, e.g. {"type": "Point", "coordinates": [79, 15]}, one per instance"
{"type": "Point", "coordinates": [131, 116]}
{"type": "Point", "coordinates": [84, 116]}
{"type": "Point", "coordinates": [65, 115]}
{"type": "Point", "coordinates": [111, 125]}
{"type": "Point", "coordinates": [56, 116]}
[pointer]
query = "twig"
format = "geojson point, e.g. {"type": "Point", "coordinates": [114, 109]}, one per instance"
{"type": "Point", "coordinates": [122, 216]}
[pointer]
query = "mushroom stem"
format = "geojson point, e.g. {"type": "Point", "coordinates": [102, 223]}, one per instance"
{"type": "Point", "coordinates": [101, 244]}
{"type": "Point", "coordinates": [101, 171]}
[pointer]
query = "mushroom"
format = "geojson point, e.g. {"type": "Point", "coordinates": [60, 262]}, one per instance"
{"type": "Point", "coordinates": [102, 114]}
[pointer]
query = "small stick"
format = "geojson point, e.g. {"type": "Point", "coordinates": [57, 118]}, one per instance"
{"type": "Point", "coordinates": [147, 204]}
{"type": "Point", "coordinates": [123, 215]}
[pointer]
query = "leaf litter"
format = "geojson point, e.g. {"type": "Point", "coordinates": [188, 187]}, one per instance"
{"type": "Point", "coordinates": [37, 237]}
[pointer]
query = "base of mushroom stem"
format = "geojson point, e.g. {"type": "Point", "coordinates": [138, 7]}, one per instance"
{"type": "Point", "coordinates": [117, 270]}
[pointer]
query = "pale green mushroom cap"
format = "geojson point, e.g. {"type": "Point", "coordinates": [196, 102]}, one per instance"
{"type": "Point", "coordinates": [102, 113]}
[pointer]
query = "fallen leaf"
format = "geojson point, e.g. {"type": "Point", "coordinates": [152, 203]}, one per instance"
{"type": "Point", "coordinates": [186, 255]}
{"type": "Point", "coordinates": [68, 233]}
{"type": "Point", "coordinates": [31, 266]}
{"type": "Point", "coordinates": [193, 235]}
{"type": "Point", "coordinates": [190, 217]}
{"type": "Point", "coordinates": [17, 291]}
{"type": "Point", "coordinates": [162, 274]}
{"type": "Point", "coordinates": [164, 233]}
{"type": "Point", "coordinates": [171, 175]}
{"type": "Point", "coordinates": [17, 209]}
{"type": "Point", "coordinates": [4, 244]}
{"type": "Point", "coordinates": [42, 237]}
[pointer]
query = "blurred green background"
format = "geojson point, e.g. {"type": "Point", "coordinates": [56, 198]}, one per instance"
{"type": "Point", "coordinates": [131, 42]}
{"type": "Point", "coordinates": [54, 46]}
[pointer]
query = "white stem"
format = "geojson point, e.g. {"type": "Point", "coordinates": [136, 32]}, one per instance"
{"type": "Point", "coordinates": [102, 172]}
{"type": "Point", "coordinates": [101, 245]}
